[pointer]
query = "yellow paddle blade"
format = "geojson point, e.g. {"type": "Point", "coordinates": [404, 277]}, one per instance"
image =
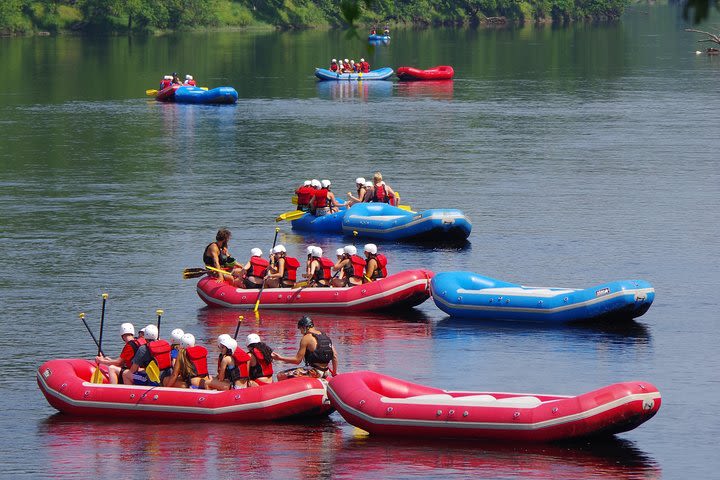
{"type": "Point", "coordinates": [291, 215]}
{"type": "Point", "coordinates": [359, 432]}
{"type": "Point", "coordinates": [153, 372]}
{"type": "Point", "coordinates": [294, 199]}
{"type": "Point", "coordinates": [406, 207]}
{"type": "Point", "coordinates": [257, 305]}
{"type": "Point", "coordinates": [204, 88]}
{"type": "Point", "coordinates": [300, 284]}
{"type": "Point", "coordinates": [151, 92]}
{"type": "Point", "coordinates": [97, 376]}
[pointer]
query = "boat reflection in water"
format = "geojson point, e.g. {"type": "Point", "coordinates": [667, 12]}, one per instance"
{"type": "Point", "coordinates": [436, 89]}
{"type": "Point", "coordinates": [342, 90]}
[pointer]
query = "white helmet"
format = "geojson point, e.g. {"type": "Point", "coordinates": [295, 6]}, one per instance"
{"type": "Point", "coordinates": [350, 249]}
{"type": "Point", "coordinates": [325, 183]}
{"type": "Point", "coordinates": [352, 62]}
{"type": "Point", "coordinates": [340, 252]}
{"type": "Point", "coordinates": [310, 249]}
{"type": "Point", "coordinates": [188, 77]}
{"type": "Point", "coordinates": [253, 338]}
{"type": "Point", "coordinates": [151, 332]}
{"type": "Point", "coordinates": [256, 252]}
{"type": "Point", "coordinates": [307, 182]}
{"type": "Point", "coordinates": [371, 248]}
{"type": "Point", "coordinates": [177, 335]}
{"type": "Point", "coordinates": [187, 340]}
{"type": "Point", "coordinates": [346, 60]}
{"type": "Point", "coordinates": [316, 183]}
{"type": "Point", "coordinates": [167, 77]}
{"type": "Point", "coordinates": [360, 180]}
{"type": "Point", "coordinates": [229, 342]}
{"type": "Point", "coordinates": [221, 337]}
{"type": "Point", "coordinates": [362, 59]}
{"type": "Point", "coordinates": [280, 249]}
{"type": "Point", "coordinates": [317, 252]}
{"type": "Point", "coordinates": [334, 60]}
{"type": "Point", "coordinates": [368, 184]}
{"type": "Point", "coordinates": [127, 329]}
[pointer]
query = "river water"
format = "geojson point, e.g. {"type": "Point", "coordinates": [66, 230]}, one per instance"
{"type": "Point", "coordinates": [582, 154]}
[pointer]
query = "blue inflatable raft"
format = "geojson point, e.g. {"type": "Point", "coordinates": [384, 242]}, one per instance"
{"type": "Point", "coordinates": [379, 74]}
{"type": "Point", "coordinates": [219, 95]}
{"type": "Point", "coordinates": [375, 38]}
{"type": "Point", "coordinates": [331, 223]}
{"type": "Point", "coordinates": [469, 295]}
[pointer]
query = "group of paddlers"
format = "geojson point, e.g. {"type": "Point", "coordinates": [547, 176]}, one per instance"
{"type": "Point", "coordinates": [316, 196]}
{"type": "Point", "coordinates": [349, 66]}
{"type": "Point", "coordinates": [174, 79]}
{"type": "Point", "coordinates": [148, 360]}
{"type": "Point", "coordinates": [281, 270]}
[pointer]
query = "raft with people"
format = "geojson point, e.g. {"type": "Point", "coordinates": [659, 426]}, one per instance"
{"type": "Point", "coordinates": [67, 386]}
{"type": "Point", "coordinates": [405, 289]}
{"type": "Point", "coordinates": [470, 295]}
{"type": "Point", "coordinates": [378, 74]}
{"type": "Point", "coordinates": [383, 405]}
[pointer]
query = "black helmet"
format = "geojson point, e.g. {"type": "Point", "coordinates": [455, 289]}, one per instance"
{"type": "Point", "coordinates": [305, 322]}
{"type": "Point", "coordinates": [175, 74]}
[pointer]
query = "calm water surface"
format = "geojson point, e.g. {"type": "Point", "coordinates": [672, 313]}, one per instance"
{"type": "Point", "coordinates": [581, 154]}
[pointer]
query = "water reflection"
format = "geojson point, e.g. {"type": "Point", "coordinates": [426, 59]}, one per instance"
{"type": "Point", "coordinates": [436, 89]}
{"type": "Point", "coordinates": [344, 90]}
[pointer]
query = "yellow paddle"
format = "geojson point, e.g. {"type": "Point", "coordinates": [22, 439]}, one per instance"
{"type": "Point", "coordinates": [294, 200]}
{"type": "Point", "coordinates": [152, 92]}
{"type": "Point", "coordinates": [153, 372]}
{"type": "Point", "coordinates": [257, 302]}
{"type": "Point", "coordinates": [291, 215]}
{"type": "Point", "coordinates": [97, 376]}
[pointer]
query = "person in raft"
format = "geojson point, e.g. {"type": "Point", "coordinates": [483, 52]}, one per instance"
{"type": "Point", "coordinates": [176, 79]}
{"type": "Point", "coordinates": [360, 190]}
{"type": "Point", "coordinates": [190, 370]}
{"type": "Point", "coordinates": [316, 349]}
{"type": "Point", "coordinates": [381, 191]}
{"type": "Point", "coordinates": [386, 31]}
{"type": "Point", "coordinates": [216, 255]}
{"type": "Point", "coordinates": [320, 204]}
{"type": "Point", "coordinates": [284, 270]}
{"type": "Point", "coordinates": [304, 194]}
{"type": "Point", "coordinates": [255, 269]}
{"type": "Point", "coordinates": [352, 267]}
{"type": "Point", "coordinates": [261, 369]}
{"type": "Point", "coordinates": [319, 274]}
{"type": "Point", "coordinates": [373, 31]}
{"type": "Point", "coordinates": [190, 81]}
{"type": "Point", "coordinates": [116, 366]}
{"type": "Point", "coordinates": [175, 341]}
{"type": "Point", "coordinates": [364, 66]}
{"type": "Point", "coordinates": [233, 366]}
{"type": "Point", "coordinates": [376, 265]}
{"type": "Point", "coordinates": [166, 82]}
{"type": "Point", "coordinates": [334, 65]}
{"type": "Point", "coordinates": [155, 350]}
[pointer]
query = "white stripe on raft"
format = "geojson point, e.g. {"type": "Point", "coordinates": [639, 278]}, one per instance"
{"type": "Point", "coordinates": [434, 216]}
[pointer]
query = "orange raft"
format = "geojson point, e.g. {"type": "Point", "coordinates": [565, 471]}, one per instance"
{"type": "Point", "coordinates": [66, 386]}
{"type": "Point", "coordinates": [401, 290]}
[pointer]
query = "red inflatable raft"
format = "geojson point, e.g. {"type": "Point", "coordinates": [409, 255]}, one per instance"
{"type": "Point", "coordinates": [167, 94]}
{"type": "Point", "coordinates": [404, 289]}
{"type": "Point", "coordinates": [384, 405]}
{"type": "Point", "coordinates": [442, 72]}
{"type": "Point", "coordinates": [66, 386]}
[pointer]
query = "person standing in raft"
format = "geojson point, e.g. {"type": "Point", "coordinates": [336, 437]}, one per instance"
{"type": "Point", "coordinates": [116, 366]}
{"type": "Point", "coordinates": [154, 350]}
{"type": "Point", "coordinates": [216, 255]}
{"type": "Point", "coordinates": [261, 370]}
{"type": "Point", "coordinates": [376, 266]}
{"type": "Point", "coordinates": [316, 349]}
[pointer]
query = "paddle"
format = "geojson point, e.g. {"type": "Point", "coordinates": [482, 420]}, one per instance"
{"type": "Point", "coordinates": [97, 376]}
{"type": "Point", "coordinates": [194, 272]}
{"type": "Point", "coordinates": [152, 92]}
{"type": "Point", "coordinates": [82, 317]}
{"type": "Point", "coordinates": [291, 215]}
{"type": "Point", "coordinates": [257, 302]}
{"type": "Point", "coordinates": [152, 370]}
{"type": "Point", "coordinates": [237, 329]}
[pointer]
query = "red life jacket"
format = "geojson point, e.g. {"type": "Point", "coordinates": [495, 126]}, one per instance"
{"type": "Point", "coordinates": [192, 83]}
{"type": "Point", "coordinates": [304, 193]}
{"type": "Point", "coordinates": [165, 83]}
{"type": "Point", "coordinates": [326, 267]}
{"type": "Point", "coordinates": [333, 67]}
{"type": "Point", "coordinates": [365, 67]}
{"type": "Point", "coordinates": [129, 350]}
{"type": "Point", "coordinates": [198, 357]}
{"type": "Point", "coordinates": [241, 359]}
{"type": "Point", "coordinates": [160, 350]}
{"type": "Point", "coordinates": [379, 194]}
{"type": "Point", "coordinates": [381, 270]}
{"type": "Point", "coordinates": [291, 266]}
{"type": "Point", "coordinates": [263, 366]}
{"type": "Point", "coordinates": [258, 266]}
{"type": "Point", "coordinates": [358, 266]}
{"type": "Point", "coordinates": [321, 198]}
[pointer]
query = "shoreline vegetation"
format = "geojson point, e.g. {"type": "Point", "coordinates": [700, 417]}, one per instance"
{"type": "Point", "coordinates": [45, 17]}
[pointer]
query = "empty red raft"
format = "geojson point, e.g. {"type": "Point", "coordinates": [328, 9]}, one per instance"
{"type": "Point", "coordinates": [384, 405]}
{"type": "Point", "coordinates": [441, 72]}
{"type": "Point", "coordinates": [403, 289]}
{"type": "Point", "coordinates": [66, 386]}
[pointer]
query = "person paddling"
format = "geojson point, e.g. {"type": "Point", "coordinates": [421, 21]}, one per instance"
{"type": "Point", "coordinates": [116, 366]}
{"type": "Point", "coordinates": [376, 266]}
{"type": "Point", "coordinates": [154, 350]}
{"type": "Point", "coordinates": [261, 370]}
{"type": "Point", "coordinates": [316, 349]}
{"type": "Point", "coordinates": [216, 255]}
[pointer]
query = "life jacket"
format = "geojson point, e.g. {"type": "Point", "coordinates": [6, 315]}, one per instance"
{"type": "Point", "coordinates": [192, 83]}
{"type": "Point", "coordinates": [198, 357]}
{"type": "Point", "coordinates": [263, 367]}
{"type": "Point", "coordinates": [129, 350]}
{"type": "Point", "coordinates": [380, 194]}
{"type": "Point", "coordinates": [240, 369]}
{"type": "Point", "coordinates": [291, 266]}
{"type": "Point", "coordinates": [325, 270]}
{"type": "Point", "coordinates": [321, 198]}
{"type": "Point", "coordinates": [381, 270]}
{"type": "Point", "coordinates": [165, 83]}
{"type": "Point", "coordinates": [357, 266]}
{"type": "Point", "coordinates": [304, 193]}
{"type": "Point", "coordinates": [160, 350]}
{"type": "Point", "coordinates": [323, 352]}
{"type": "Point", "coordinates": [333, 67]}
{"type": "Point", "coordinates": [365, 67]}
{"type": "Point", "coordinates": [258, 266]}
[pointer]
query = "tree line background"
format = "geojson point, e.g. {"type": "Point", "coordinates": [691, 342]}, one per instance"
{"type": "Point", "coordinates": [123, 16]}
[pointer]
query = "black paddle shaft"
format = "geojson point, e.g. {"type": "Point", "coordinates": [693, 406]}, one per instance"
{"type": "Point", "coordinates": [82, 317]}
{"type": "Point", "coordinates": [102, 322]}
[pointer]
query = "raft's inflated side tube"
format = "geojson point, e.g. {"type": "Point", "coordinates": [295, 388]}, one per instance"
{"type": "Point", "coordinates": [386, 222]}
{"type": "Point", "coordinates": [470, 295]}
{"type": "Point", "coordinates": [379, 74]}
{"type": "Point", "coordinates": [330, 223]}
{"type": "Point", "coordinates": [66, 386]}
{"type": "Point", "coordinates": [167, 94]}
{"type": "Point", "coordinates": [373, 38]}
{"type": "Point", "coordinates": [219, 95]}
{"type": "Point", "coordinates": [441, 72]}
{"type": "Point", "coordinates": [383, 405]}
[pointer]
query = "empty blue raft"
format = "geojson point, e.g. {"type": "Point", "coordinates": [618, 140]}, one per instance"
{"type": "Point", "coordinates": [219, 95]}
{"type": "Point", "coordinates": [469, 295]}
{"type": "Point", "coordinates": [379, 74]}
